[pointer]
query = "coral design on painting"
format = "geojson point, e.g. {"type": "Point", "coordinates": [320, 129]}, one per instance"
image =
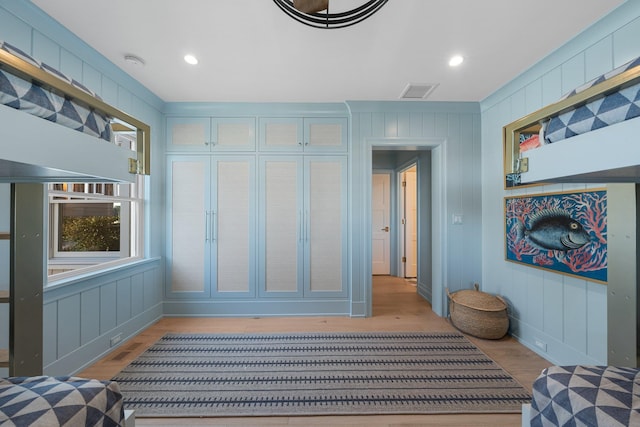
{"type": "Point", "coordinates": [563, 232]}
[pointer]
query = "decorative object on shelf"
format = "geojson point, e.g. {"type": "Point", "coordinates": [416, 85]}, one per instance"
{"type": "Point", "coordinates": [308, 12]}
{"type": "Point", "coordinates": [564, 232]}
{"type": "Point", "coordinates": [478, 313]}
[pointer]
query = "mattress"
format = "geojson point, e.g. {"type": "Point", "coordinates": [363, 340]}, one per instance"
{"type": "Point", "coordinates": [60, 401]}
{"type": "Point", "coordinates": [31, 98]}
{"type": "Point", "coordinates": [605, 111]}
{"type": "Point", "coordinates": [586, 396]}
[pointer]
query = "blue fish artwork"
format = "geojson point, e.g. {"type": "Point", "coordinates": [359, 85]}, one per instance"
{"type": "Point", "coordinates": [563, 232]}
{"type": "Point", "coordinates": [554, 229]}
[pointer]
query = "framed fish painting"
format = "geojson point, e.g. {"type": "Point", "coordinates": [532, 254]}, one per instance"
{"type": "Point", "coordinates": [563, 232]}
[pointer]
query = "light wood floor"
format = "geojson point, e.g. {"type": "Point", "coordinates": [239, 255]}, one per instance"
{"type": "Point", "coordinates": [396, 307]}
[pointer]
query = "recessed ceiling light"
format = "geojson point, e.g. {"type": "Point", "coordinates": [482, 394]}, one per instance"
{"type": "Point", "coordinates": [456, 60]}
{"type": "Point", "coordinates": [190, 59]}
{"type": "Point", "coordinates": [135, 60]}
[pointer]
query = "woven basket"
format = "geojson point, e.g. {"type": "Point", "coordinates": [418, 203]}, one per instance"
{"type": "Point", "coordinates": [478, 313]}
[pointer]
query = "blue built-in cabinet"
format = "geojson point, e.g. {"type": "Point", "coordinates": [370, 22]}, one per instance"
{"type": "Point", "coordinates": [308, 134]}
{"type": "Point", "coordinates": [302, 223]}
{"type": "Point", "coordinates": [215, 134]}
{"type": "Point", "coordinates": [257, 224]}
{"type": "Point", "coordinates": [212, 232]}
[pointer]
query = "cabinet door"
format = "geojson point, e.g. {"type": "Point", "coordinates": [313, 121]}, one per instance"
{"type": "Point", "coordinates": [281, 134]}
{"type": "Point", "coordinates": [188, 237]}
{"type": "Point", "coordinates": [188, 134]}
{"type": "Point", "coordinates": [233, 229]}
{"type": "Point", "coordinates": [325, 134]}
{"type": "Point", "coordinates": [233, 134]}
{"type": "Point", "coordinates": [325, 228]}
{"type": "Point", "coordinates": [281, 221]}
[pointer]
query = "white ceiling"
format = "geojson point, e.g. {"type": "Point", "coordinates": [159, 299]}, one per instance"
{"type": "Point", "coordinates": [250, 51]}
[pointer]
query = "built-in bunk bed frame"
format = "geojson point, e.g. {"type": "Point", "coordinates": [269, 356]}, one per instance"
{"type": "Point", "coordinates": [584, 148]}
{"type": "Point", "coordinates": [607, 154]}
{"type": "Point", "coordinates": [34, 151]}
{"type": "Point", "coordinates": [27, 134]}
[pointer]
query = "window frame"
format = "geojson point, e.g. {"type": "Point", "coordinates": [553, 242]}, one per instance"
{"type": "Point", "coordinates": [131, 228]}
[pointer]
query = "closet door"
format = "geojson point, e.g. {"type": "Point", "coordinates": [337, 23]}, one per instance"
{"type": "Point", "coordinates": [233, 229]}
{"type": "Point", "coordinates": [233, 134]}
{"type": "Point", "coordinates": [188, 237]}
{"type": "Point", "coordinates": [328, 135]}
{"type": "Point", "coordinates": [281, 226]}
{"type": "Point", "coordinates": [188, 133]}
{"type": "Point", "coordinates": [281, 134]}
{"type": "Point", "coordinates": [325, 228]}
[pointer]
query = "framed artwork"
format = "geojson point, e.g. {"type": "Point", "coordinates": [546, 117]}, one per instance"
{"type": "Point", "coordinates": [562, 232]}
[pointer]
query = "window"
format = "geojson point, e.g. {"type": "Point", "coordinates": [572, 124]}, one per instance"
{"type": "Point", "coordinates": [93, 225]}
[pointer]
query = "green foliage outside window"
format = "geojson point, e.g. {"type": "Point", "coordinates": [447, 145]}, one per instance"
{"type": "Point", "coordinates": [91, 234]}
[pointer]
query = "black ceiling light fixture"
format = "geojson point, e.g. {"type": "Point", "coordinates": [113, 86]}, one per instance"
{"type": "Point", "coordinates": [316, 13]}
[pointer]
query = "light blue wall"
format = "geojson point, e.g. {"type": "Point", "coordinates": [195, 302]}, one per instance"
{"type": "Point", "coordinates": [455, 127]}
{"type": "Point", "coordinates": [562, 318]}
{"type": "Point", "coordinates": [80, 318]}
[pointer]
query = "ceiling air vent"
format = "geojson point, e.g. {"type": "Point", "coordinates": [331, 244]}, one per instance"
{"type": "Point", "coordinates": [418, 90]}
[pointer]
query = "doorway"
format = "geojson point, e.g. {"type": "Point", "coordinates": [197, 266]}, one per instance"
{"type": "Point", "coordinates": [396, 217]}
{"type": "Point", "coordinates": [394, 222]}
{"type": "Point", "coordinates": [430, 156]}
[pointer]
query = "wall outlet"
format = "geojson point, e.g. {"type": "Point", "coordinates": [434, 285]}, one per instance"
{"type": "Point", "coordinates": [541, 345]}
{"type": "Point", "coordinates": [115, 339]}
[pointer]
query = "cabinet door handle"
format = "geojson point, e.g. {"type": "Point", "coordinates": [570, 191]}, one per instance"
{"type": "Point", "coordinates": [206, 226]}
{"type": "Point", "coordinates": [300, 226]}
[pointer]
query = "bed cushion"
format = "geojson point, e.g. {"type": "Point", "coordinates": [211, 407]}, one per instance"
{"type": "Point", "coordinates": [22, 94]}
{"type": "Point", "coordinates": [586, 396]}
{"type": "Point", "coordinates": [614, 108]}
{"type": "Point", "coordinates": [59, 401]}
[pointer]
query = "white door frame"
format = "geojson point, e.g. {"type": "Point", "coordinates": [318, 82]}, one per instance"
{"type": "Point", "coordinates": [402, 215]}
{"type": "Point", "coordinates": [437, 146]}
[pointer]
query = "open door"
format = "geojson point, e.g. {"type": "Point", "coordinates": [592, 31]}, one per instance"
{"type": "Point", "coordinates": [409, 222]}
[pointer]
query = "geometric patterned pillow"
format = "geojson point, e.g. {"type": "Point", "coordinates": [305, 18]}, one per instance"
{"type": "Point", "coordinates": [602, 112]}
{"type": "Point", "coordinates": [586, 396]}
{"type": "Point", "coordinates": [60, 401]}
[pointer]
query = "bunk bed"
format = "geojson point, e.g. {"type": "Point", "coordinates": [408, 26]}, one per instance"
{"type": "Point", "coordinates": [65, 121]}
{"type": "Point", "coordinates": [53, 129]}
{"type": "Point", "coordinates": [590, 135]}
